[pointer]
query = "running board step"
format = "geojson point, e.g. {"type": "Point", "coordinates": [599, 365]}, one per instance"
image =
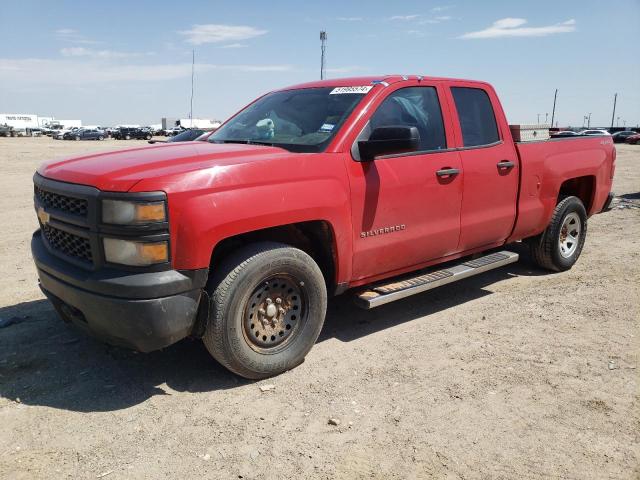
{"type": "Point", "coordinates": [382, 293]}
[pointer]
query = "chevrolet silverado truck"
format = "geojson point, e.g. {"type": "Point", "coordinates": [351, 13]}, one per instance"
{"type": "Point", "coordinates": [385, 187]}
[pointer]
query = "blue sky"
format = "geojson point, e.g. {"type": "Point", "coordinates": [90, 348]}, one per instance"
{"type": "Point", "coordinates": [129, 62]}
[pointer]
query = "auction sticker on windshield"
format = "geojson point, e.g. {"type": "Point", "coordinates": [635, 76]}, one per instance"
{"type": "Point", "coordinates": [361, 89]}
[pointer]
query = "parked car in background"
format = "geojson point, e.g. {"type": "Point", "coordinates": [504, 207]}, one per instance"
{"type": "Point", "coordinates": [633, 139]}
{"type": "Point", "coordinates": [564, 133]}
{"type": "Point", "coordinates": [595, 132]}
{"type": "Point", "coordinates": [170, 132]}
{"type": "Point", "coordinates": [6, 131]}
{"type": "Point", "coordinates": [155, 129]}
{"type": "Point", "coordinates": [620, 137]}
{"type": "Point", "coordinates": [132, 133]}
{"type": "Point", "coordinates": [185, 136]}
{"type": "Point", "coordinates": [59, 135]}
{"type": "Point", "coordinates": [85, 134]}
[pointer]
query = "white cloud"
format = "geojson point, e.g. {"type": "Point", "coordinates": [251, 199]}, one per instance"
{"type": "Point", "coordinates": [434, 20]}
{"type": "Point", "coordinates": [72, 35]}
{"type": "Point", "coordinates": [441, 8]}
{"type": "Point", "coordinates": [513, 27]}
{"type": "Point", "coordinates": [211, 33]}
{"type": "Point", "coordinates": [86, 52]}
{"type": "Point", "coordinates": [73, 72]}
{"type": "Point", "coordinates": [235, 45]}
{"type": "Point", "coordinates": [350, 19]}
{"type": "Point", "coordinates": [404, 17]}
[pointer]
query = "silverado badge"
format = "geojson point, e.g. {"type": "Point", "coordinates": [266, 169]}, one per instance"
{"type": "Point", "coordinates": [43, 216]}
{"type": "Point", "coordinates": [381, 231]}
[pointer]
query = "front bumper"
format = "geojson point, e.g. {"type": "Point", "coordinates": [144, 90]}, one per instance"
{"type": "Point", "coordinates": [143, 311]}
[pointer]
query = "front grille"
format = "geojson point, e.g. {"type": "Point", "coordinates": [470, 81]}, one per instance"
{"type": "Point", "coordinates": [71, 205]}
{"type": "Point", "coordinates": [68, 243]}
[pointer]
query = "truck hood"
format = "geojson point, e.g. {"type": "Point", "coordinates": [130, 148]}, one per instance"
{"type": "Point", "coordinates": [120, 170]}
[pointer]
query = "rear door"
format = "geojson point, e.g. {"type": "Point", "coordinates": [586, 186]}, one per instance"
{"type": "Point", "coordinates": [404, 210]}
{"type": "Point", "coordinates": [490, 165]}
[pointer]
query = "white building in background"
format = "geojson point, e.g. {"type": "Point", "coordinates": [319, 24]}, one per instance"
{"type": "Point", "coordinates": [22, 121]}
{"type": "Point", "coordinates": [204, 123]}
{"type": "Point", "coordinates": [67, 123]}
{"type": "Point", "coordinates": [19, 121]}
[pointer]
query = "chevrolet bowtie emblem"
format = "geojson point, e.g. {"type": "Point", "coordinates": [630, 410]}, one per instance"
{"type": "Point", "coordinates": [43, 216]}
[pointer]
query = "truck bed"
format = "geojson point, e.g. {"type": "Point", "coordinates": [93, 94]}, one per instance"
{"type": "Point", "coordinates": [546, 165]}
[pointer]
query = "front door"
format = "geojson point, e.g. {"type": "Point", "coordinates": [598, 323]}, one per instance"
{"type": "Point", "coordinates": [406, 207]}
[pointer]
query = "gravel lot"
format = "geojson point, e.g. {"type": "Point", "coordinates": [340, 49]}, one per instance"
{"type": "Point", "coordinates": [515, 374]}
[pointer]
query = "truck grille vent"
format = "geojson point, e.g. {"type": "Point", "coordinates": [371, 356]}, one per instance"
{"type": "Point", "coordinates": [68, 243]}
{"type": "Point", "coordinates": [71, 205]}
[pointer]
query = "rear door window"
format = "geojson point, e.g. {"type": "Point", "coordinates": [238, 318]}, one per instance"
{"type": "Point", "coordinates": [477, 119]}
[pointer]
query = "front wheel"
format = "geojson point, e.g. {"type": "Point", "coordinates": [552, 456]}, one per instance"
{"type": "Point", "coordinates": [268, 306]}
{"type": "Point", "coordinates": [77, 139]}
{"type": "Point", "coordinates": [560, 245]}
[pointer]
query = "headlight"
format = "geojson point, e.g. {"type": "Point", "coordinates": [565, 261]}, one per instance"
{"type": "Point", "coordinates": [137, 254]}
{"type": "Point", "coordinates": [121, 212]}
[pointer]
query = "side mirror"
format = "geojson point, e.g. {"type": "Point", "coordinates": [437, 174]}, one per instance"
{"type": "Point", "coordinates": [389, 140]}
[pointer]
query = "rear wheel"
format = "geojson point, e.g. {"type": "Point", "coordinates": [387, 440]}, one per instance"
{"type": "Point", "coordinates": [268, 306]}
{"type": "Point", "coordinates": [77, 138]}
{"type": "Point", "coordinates": [100, 137]}
{"type": "Point", "coordinates": [148, 137]}
{"type": "Point", "coordinates": [127, 137]}
{"type": "Point", "coordinates": [560, 245]}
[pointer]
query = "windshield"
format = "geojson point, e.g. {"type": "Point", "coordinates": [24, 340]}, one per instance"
{"type": "Point", "coordinates": [303, 120]}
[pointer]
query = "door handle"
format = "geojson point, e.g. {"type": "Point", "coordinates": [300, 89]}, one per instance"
{"type": "Point", "coordinates": [447, 172]}
{"type": "Point", "coordinates": [504, 164]}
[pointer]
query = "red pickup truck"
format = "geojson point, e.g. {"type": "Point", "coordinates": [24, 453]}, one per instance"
{"type": "Point", "coordinates": [360, 184]}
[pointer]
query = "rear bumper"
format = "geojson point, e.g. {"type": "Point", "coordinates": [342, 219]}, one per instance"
{"type": "Point", "coordinates": [143, 311]}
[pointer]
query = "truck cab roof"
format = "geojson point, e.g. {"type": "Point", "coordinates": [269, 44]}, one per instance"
{"type": "Point", "coordinates": [374, 80]}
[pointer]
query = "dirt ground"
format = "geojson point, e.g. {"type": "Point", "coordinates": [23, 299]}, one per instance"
{"type": "Point", "coordinates": [515, 374]}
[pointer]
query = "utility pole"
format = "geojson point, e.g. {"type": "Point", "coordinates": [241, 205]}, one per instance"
{"type": "Point", "coordinates": [618, 122]}
{"type": "Point", "coordinates": [553, 112]}
{"type": "Point", "coordinates": [193, 63]}
{"type": "Point", "coordinates": [615, 98]}
{"type": "Point", "coordinates": [589, 120]}
{"type": "Point", "coordinates": [323, 39]}
{"type": "Point", "coordinates": [538, 119]}
{"type": "Point", "coordinates": [546, 118]}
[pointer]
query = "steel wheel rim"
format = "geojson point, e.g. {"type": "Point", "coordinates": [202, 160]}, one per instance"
{"type": "Point", "coordinates": [570, 235]}
{"type": "Point", "coordinates": [274, 313]}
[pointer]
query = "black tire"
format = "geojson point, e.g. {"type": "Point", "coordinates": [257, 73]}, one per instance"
{"type": "Point", "coordinates": [546, 250]}
{"type": "Point", "coordinates": [148, 137]}
{"type": "Point", "coordinates": [127, 137]}
{"type": "Point", "coordinates": [100, 137]}
{"type": "Point", "coordinates": [77, 139]}
{"type": "Point", "coordinates": [235, 288]}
